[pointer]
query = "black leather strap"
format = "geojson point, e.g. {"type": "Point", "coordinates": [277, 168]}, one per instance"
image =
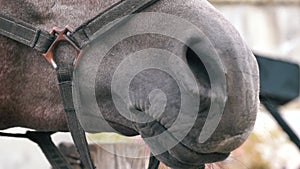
{"type": "Point", "coordinates": [44, 141]}
{"type": "Point", "coordinates": [82, 35]}
{"type": "Point", "coordinates": [25, 33]}
{"type": "Point", "coordinates": [41, 41]}
{"type": "Point", "coordinates": [64, 76]}
{"type": "Point", "coordinates": [53, 154]}
{"type": "Point", "coordinates": [153, 162]}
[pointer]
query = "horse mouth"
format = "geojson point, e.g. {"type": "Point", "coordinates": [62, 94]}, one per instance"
{"type": "Point", "coordinates": [171, 160]}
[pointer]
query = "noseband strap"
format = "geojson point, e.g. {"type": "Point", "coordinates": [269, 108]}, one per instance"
{"type": "Point", "coordinates": [114, 15]}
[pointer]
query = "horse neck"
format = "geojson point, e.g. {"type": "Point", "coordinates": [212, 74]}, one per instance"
{"type": "Point", "coordinates": [25, 74]}
{"type": "Point", "coordinates": [46, 14]}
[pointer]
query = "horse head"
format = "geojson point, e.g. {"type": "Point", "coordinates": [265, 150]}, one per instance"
{"type": "Point", "coordinates": [178, 74]}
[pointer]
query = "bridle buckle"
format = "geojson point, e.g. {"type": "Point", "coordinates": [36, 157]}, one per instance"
{"type": "Point", "coordinates": [61, 36]}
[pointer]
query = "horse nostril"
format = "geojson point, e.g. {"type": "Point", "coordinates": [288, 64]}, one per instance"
{"type": "Point", "coordinates": [158, 102]}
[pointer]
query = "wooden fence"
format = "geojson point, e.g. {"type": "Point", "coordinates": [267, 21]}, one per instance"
{"type": "Point", "coordinates": [111, 155]}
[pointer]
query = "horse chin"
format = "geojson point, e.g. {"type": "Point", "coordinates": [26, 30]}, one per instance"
{"type": "Point", "coordinates": [180, 163]}
{"type": "Point", "coordinates": [215, 157]}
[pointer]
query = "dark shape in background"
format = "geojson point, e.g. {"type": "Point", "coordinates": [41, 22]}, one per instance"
{"type": "Point", "coordinates": [279, 84]}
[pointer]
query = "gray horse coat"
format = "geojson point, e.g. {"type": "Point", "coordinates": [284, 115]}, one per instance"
{"type": "Point", "coordinates": [29, 95]}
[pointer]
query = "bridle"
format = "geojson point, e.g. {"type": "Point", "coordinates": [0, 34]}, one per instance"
{"type": "Point", "coordinates": [45, 43]}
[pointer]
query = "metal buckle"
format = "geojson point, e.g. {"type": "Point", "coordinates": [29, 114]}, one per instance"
{"type": "Point", "coordinates": [61, 35]}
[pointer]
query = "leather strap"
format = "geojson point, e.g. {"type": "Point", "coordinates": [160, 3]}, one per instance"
{"type": "Point", "coordinates": [25, 33]}
{"type": "Point", "coordinates": [153, 162]}
{"type": "Point", "coordinates": [41, 41]}
{"type": "Point", "coordinates": [82, 35]}
{"type": "Point", "coordinates": [44, 141]}
{"type": "Point", "coordinates": [53, 154]}
{"type": "Point", "coordinates": [64, 76]}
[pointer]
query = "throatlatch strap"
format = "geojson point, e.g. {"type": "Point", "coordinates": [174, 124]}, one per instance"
{"type": "Point", "coordinates": [64, 76]}
{"type": "Point", "coordinates": [44, 141]}
{"type": "Point", "coordinates": [25, 33]}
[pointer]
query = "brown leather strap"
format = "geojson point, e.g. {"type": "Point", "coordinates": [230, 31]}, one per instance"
{"type": "Point", "coordinates": [25, 33]}
{"type": "Point", "coordinates": [82, 35]}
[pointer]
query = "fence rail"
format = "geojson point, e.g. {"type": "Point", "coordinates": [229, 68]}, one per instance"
{"type": "Point", "coordinates": [110, 155]}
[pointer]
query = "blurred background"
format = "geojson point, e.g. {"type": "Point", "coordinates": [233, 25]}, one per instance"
{"type": "Point", "coordinates": [271, 28]}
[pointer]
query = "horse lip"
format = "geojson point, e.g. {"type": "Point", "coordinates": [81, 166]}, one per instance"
{"type": "Point", "coordinates": [205, 158]}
